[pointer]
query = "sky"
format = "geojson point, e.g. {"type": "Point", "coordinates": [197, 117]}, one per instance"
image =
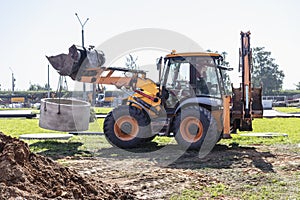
{"type": "Point", "coordinates": [32, 29]}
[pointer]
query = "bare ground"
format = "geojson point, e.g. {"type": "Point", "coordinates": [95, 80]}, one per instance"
{"type": "Point", "coordinates": [152, 172]}
{"type": "Point", "coordinates": [227, 172]}
{"type": "Point", "coordinates": [25, 175]}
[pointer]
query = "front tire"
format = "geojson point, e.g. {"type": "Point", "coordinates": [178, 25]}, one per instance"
{"type": "Point", "coordinates": [196, 129]}
{"type": "Point", "coordinates": [127, 127]}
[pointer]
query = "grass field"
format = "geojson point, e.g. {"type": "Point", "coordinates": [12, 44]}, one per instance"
{"type": "Point", "coordinates": [288, 109]}
{"type": "Point", "coordinates": [291, 126]}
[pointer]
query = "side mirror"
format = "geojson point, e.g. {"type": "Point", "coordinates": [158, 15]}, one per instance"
{"type": "Point", "coordinates": [220, 61]}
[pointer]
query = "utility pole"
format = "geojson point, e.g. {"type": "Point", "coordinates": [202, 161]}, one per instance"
{"type": "Point", "coordinates": [12, 81]}
{"type": "Point", "coordinates": [48, 85]}
{"type": "Point", "coordinates": [82, 39]}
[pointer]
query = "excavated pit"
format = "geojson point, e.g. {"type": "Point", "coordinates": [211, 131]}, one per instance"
{"type": "Point", "coordinates": [32, 176]}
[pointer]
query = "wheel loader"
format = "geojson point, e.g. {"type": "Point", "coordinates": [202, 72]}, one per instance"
{"type": "Point", "coordinates": [189, 102]}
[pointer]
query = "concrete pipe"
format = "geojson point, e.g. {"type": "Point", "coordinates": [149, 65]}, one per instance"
{"type": "Point", "coordinates": [64, 114]}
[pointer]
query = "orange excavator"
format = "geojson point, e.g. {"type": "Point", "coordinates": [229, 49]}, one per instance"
{"type": "Point", "coordinates": [189, 102]}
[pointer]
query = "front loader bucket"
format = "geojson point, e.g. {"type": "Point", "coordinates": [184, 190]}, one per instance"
{"type": "Point", "coordinates": [78, 59]}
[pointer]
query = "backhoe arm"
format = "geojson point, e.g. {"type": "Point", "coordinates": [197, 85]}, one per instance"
{"type": "Point", "coordinates": [246, 99]}
{"type": "Point", "coordinates": [87, 66]}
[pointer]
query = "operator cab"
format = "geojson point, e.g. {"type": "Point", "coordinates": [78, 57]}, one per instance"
{"type": "Point", "coordinates": [187, 75]}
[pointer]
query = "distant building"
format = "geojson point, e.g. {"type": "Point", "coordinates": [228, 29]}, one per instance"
{"type": "Point", "coordinates": [281, 101]}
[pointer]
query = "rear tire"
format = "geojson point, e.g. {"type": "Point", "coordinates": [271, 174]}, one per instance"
{"type": "Point", "coordinates": [127, 127]}
{"type": "Point", "coordinates": [196, 129]}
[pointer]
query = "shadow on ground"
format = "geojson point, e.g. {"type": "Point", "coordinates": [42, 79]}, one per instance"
{"type": "Point", "coordinates": [171, 155]}
{"type": "Point", "coordinates": [58, 150]}
{"type": "Point", "coordinates": [221, 156]}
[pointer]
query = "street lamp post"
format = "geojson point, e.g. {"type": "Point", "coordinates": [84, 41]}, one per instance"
{"type": "Point", "coordinates": [82, 39]}
{"type": "Point", "coordinates": [82, 28]}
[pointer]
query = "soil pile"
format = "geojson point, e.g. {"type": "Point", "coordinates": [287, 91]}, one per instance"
{"type": "Point", "coordinates": [28, 175]}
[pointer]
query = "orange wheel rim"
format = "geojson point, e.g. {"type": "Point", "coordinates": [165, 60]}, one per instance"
{"type": "Point", "coordinates": [126, 128]}
{"type": "Point", "coordinates": [191, 129]}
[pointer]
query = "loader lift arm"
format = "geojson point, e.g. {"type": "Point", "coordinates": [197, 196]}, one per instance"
{"type": "Point", "coordinates": [146, 91]}
{"type": "Point", "coordinates": [91, 70]}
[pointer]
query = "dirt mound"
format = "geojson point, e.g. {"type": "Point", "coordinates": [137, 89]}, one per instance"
{"type": "Point", "coordinates": [28, 175]}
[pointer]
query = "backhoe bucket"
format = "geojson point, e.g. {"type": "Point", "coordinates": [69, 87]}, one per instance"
{"type": "Point", "coordinates": [77, 59]}
{"type": "Point", "coordinates": [257, 107]}
{"type": "Point", "coordinates": [238, 107]}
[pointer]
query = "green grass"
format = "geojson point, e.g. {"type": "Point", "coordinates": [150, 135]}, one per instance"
{"type": "Point", "coordinates": [85, 146]}
{"type": "Point", "coordinates": [18, 126]}
{"type": "Point", "coordinates": [213, 191]}
{"type": "Point", "coordinates": [269, 189]}
{"type": "Point", "coordinates": [288, 109]}
{"type": "Point", "coordinates": [96, 109]}
{"type": "Point", "coordinates": [18, 109]}
{"type": "Point", "coordinates": [75, 146]}
{"type": "Point", "coordinates": [188, 195]}
{"type": "Point", "coordinates": [102, 109]}
{"type": "Point", "coordinates": [290, 126]}
{"type": "Point", "coordinates": [164, 140]}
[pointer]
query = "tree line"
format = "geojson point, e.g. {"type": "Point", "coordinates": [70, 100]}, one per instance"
{"type": "Point", "coordinates": [265, 72]}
